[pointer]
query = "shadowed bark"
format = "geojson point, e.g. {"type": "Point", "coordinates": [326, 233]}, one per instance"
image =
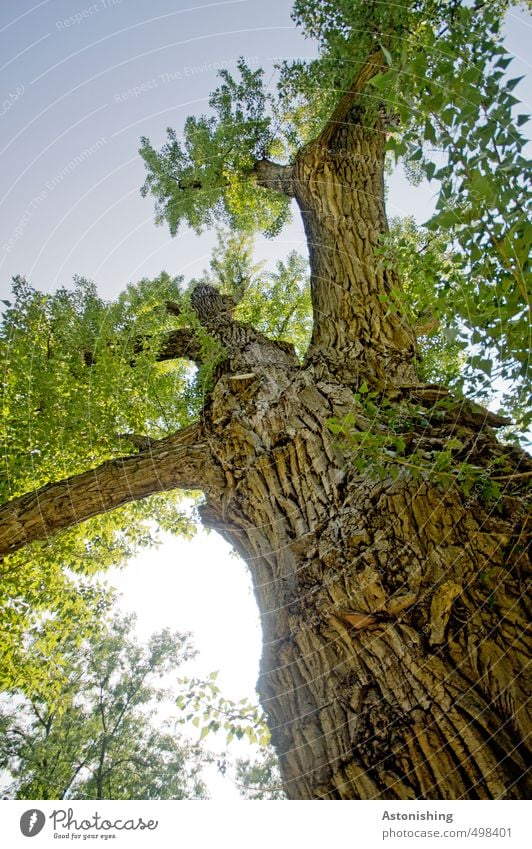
{"type": "Point", "coordinates": [271, 175]}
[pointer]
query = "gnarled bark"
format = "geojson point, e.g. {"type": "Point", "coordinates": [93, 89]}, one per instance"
{"type": "Point", "coordinates": [358, 332]}
{"type": "Point", "coordinates": [272, 175]}
{"type": "Point", "coordinates": [393, 611]}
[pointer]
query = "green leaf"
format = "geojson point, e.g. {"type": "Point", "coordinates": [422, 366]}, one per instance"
{"type": "Point", "coordinates": [387, 54]}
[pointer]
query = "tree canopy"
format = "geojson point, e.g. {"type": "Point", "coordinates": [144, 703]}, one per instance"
{"type": "Point", "coordinates": [98, 738]}
{"type": "Point", "coordinates": [440, 74]}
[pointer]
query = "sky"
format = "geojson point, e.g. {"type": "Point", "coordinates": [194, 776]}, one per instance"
{"type": "Point", "coordinates": [81, 83]}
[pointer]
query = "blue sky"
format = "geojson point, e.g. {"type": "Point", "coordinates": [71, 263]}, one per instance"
{"type": "Point", "coordinates": [125, 70]}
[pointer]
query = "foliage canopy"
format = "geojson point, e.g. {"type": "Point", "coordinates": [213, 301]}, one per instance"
{"type": "Point", "coordinates": [446, 90]}
{"type": "Point", "coordinates": [97, 739]}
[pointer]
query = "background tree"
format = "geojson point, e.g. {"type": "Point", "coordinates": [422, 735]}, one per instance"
{"type": "Point", "coordinates": [260, 778]}
{"type": "Point", "coordinates": [383, 522]}
{"type": "Point", "coordinates": [99, 738]}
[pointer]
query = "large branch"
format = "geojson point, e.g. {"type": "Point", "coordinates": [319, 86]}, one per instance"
{"type": "Point", "coordinates": [269, 175]}
{"type": "Point", "coordinates": [272, 175]}
{"type": "Point", "coordinates": [339, 182]}
{"type": "Point", "coordinates": [246, 348]}
{"type": "Point", "coordinates": [182, 343]}
{"type": "Point", "coordinates": [181, 460]}
{"type": "Point", "coordinates": [373, 65]}
{"type": "Point", "coordinates": [179, 344]}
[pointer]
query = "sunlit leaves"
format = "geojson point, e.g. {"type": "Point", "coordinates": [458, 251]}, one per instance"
{"type": "Point", "coordinates": [77, 374]}
{"type": "Point", "coordinates": [208, 175]}
{"type": "Point", "coordinates": [458, 122]}
{"type": "Point", "coordinates": [68, 382]}
{"type": "Point", "coordinates": [203, 704]}
{"type": "Point", "coordinates": [260, 778]}
{"type": "Point", "coordinates": [430, 283]}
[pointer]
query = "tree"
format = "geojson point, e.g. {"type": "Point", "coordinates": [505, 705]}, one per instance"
{"type": "Point", "coordinates": [97, 738]}
{"type": "Point", "coordinates": [383, 522]}
{"type": "Point", "coordinates": [60, 415]}
{"type": "Point", "coordinates": [259, 778]}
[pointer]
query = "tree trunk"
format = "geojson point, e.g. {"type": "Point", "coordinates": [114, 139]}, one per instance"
{"type": "Point", "coordinates": [392, 605]}
{"type": "Point", "coordinates": [357, 330]}
{"type": "Point", "coordinates": [392, 611]}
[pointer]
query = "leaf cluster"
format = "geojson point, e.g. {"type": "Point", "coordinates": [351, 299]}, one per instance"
{"type": "Point", "coordinates": [260, 778]}
{"type": "Point", "coordinates": [208, 175]}
{"type": "Point", "coordinates": [457, 122]}
{"type": "Point", "coordinates": [68, 391]}
{"type": "Point", "coordinates": [388, 440]}
{"type": "Point", "coordinates": [210, 712]}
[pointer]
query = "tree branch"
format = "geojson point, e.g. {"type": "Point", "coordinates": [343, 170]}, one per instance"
{"type": "Point", "coordinates": [246, 347]}
{"type": "Point", "coordinates": [272, 175]}
{"type": "Point", "coordinates": [179, 461]}
{"type": "Point", "coordinates": [172, 307]}
{"type": "Point", "coordinates": [181, 343]}
{"type": "Point", "coordinates": [178, 344]}
{"type": "Point", "coordinates": [373, 65]}
{"type": "Point", "coordinates": [191, 184]}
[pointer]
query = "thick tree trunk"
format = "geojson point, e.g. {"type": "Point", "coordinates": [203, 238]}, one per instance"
{"type": "Point", "coordinates": [393, 612]}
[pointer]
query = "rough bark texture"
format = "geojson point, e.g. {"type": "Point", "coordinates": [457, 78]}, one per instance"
{"type": "Point", "coordinates": [394, 641]}
{"type": "Point", "coordinates": [393, 614]}
{"type": "Point", "coordinates": [393, 611]}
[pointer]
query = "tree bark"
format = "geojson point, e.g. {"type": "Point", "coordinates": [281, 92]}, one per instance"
{"type": "Point", "coordinates": [392, 611]}
{"type": "Point", "coordinates": [338, 179]}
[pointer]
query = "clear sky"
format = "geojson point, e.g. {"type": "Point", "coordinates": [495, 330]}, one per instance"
{"type": "Point", "coordinates": [98, 82]}
{"type": "Point", "coordinates": [81, 83]}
